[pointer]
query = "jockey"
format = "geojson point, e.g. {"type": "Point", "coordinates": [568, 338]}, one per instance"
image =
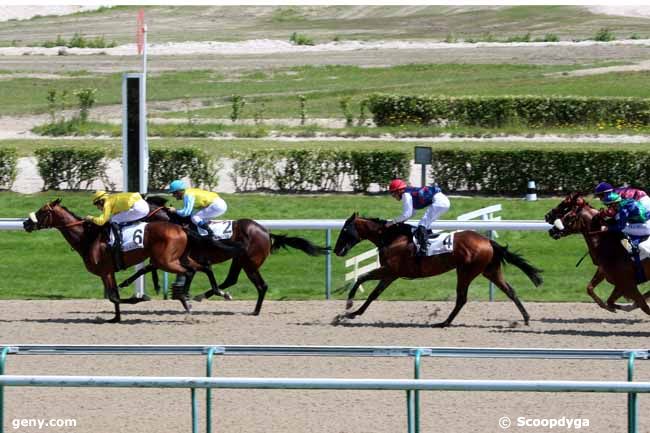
{"type": "Point", "coordinates": [603, 188]}
{"type": "Point", "coordinates": [118, 209]}
{"type": "Point", "coordinates": [414, 198]}
{"type": "Point", "coordinates": [198, 204]}
{"type": "Point", "coordinates": [631, 218]}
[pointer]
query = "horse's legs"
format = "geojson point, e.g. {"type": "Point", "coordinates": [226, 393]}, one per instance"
{"type": "Point", "coordinates": [464, 276]}
{"type": "Point", "coordinates": [156, 281]}
{"type": "Point", "coordinates": [385, 282]}
{"type": "Point", "coordinates": [113, 295]}
{"type": "Point", "coordinates": [595, 280]}
{"type": "Point", "coordinates": [183, 295]}
{"type": "Point", "coordinates": [213, 283]}
{"type": "Point", "coordinates": [231, 279]}
{"type": "Point", "coordinates": [639, 299]}
{"type": "Point", "coordinates": [633, 306]}
{"type": "Point", "coordinates": [138, 274]}
{"type": "Point", "coordinates": [375, 274]}
{"type": "Point", "coordinates": [499, 280]}
{"type": "Point", "coordinates": [254, 275]}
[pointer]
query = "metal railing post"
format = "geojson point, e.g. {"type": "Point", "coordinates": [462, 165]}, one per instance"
{"type": "Point", "coordinates": [3, 360]}
{"type": "Point", "coordinates": [195, 412]}
{"type": "Point", "coordinates": [632, 403]}
{"type": "Point", "coordinates": [416, 402]}
{"type": "Point", "coordinates": [208, 391]}
{"type": "Point", "coordinates": [328, 263]}
{"type": "Point", "coordinates": [409, 411]}
{"type": "Point", "coordinates": [165, 289]}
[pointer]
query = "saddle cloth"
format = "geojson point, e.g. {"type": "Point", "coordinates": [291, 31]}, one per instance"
{"type": "Point", "coordinates": [221, 229]}
{"type": "Point", "coordinates": [439, 243]}
{"type": "Point", "coordinates": [132, 237]}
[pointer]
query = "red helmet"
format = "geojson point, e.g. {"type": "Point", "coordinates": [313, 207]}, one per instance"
{"type": "Point", "coordinates": [396, 185]}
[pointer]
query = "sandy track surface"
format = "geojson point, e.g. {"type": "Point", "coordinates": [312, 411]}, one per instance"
{"type": "Point", "coordinates": [308, 323]}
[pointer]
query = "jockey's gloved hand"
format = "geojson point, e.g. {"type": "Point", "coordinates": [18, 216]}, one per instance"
{"type": "Point", "coordinates": [171, 209]}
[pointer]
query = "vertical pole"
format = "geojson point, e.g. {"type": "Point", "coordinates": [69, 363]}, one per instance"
{"type": "Point", "coordinates": [195, 412]}
{"type": "Point", "coordinates": [409, 411]}
{"type": "Point", "coordinates": [632, 403]}
{"type": "Point", "coordinates": [423, 176]}
{"type": "Point", "coordinates": [3, 359]}
{"type": "Point", "coordinates": [328, 263]}
{"type": "Point", "coordinates": [416, 375]}
{"type": "Point", "coordinates": [165, 285]}
{"type": "Point", "coordinates": [208, 392]}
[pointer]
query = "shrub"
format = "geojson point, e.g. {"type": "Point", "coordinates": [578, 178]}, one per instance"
{"type": "Point", "coordinates": [499, 111]}
{"type": "Point", "coordinates": [551, 37]}
{"type": "Point", "coordinates": [166, 165]}
{"type": "Point", "coordinates": [71, 168]}
{"type": "Point", "coordinates": [303, 108]}
{"type": "Point", "coordinates": [87, 99]}
{"type": "Point", "coordinates": [8, 170]}
{"type": "Point", "coordinates": [556, 172]}
{"type": "Point", "coordinates": [344, 103]}
{"type": "Point", "coordinates": [300, 39]}
{"type": "Point", "coordinates": [604, 35]}
{"type": "Point", "coordinates": [316, 170]}
{"type": "Point", "coordinates": [238, 103]}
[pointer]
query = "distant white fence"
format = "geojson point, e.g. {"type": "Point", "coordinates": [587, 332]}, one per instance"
{"type": "Point", "coordinates": [485, 214]}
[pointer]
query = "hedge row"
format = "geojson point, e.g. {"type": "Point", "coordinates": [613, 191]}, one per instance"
{"type": "Point", "coordinates": [499, 111]}
{"type": "Point", "coordinates": [80, 168]}
{"type": "Point", "coordinates": [507, 172]}
{"type": "Point", "coordinates": [317, 170]}
{"type": "Point", "coordinates": [8, 170]}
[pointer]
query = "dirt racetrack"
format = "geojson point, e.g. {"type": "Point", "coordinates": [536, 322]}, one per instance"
{"type": "Point", "coordinates": [308, 323]}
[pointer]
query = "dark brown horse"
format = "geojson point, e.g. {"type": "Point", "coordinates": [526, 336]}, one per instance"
{"type": "Point", "coordinates": [163, 243]}
{"type": "Point", "coordinates": [574, 215]}
{"type": "Point", "coordinates": [473, 254]}
{"type": "Point", "coordinates": [255, 240]}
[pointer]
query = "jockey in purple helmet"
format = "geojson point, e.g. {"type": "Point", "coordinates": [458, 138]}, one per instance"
{"type": "Point", "coordinates": [631, 217]}
{"type": "Point", "coordinates": [625, 192]}
{"type": "Point", "coordinates": [412, 198]}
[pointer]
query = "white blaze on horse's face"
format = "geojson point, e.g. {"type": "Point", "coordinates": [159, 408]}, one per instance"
{"type": "Point", "coordinates": [32, 216]}
{"type": "Point", "coordinates": [558, 224]}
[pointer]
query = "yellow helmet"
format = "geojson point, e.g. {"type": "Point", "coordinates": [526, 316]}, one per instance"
{"type": "Point", "coordinates": [99, 195]}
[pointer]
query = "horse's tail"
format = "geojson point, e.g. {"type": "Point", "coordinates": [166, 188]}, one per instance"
{"type": "Point", "coordinates": [302, 244]}
{"type": "Point", "coordinates": [502, 255]}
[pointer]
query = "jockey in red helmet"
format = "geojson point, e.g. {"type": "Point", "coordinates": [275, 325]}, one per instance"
{"type": "Point", "coordinates": [412, 198]}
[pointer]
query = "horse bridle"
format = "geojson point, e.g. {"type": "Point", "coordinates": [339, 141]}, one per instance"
{"type": "Point", "coordinates": [49, 211]}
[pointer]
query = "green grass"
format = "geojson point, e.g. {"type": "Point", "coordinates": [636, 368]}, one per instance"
{"type": "Point", "coordinates": [225, 148]}
{"type": "Point", "coordinates": [41, 265]}
{"type": "Point", "coordinates": [323, 87]}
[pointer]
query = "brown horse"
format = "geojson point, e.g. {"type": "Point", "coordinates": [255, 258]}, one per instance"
{"type": "Point", "coordinates": [257, 244]}
{"type": "Point", "coordinates": [574, 215]}
{"type": "Point", "coordinates": [473, 254]}
{"type": "Point", "coordinates": [163, 243]}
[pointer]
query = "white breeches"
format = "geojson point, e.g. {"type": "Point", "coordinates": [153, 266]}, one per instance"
{"type": "Point", "coordinates": [218, 207]}
{"type": "Point", "coordinates": [140, 209]}
{"type": "Point", "coordinates": [439, 206]}
{"type": "Point", "coordinates": [638, 229]}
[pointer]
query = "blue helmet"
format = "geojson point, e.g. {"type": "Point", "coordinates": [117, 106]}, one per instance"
{"type": "Point", "coordinates": [603, 187]}
{"type": "Point", "coordinates": [177, 185]}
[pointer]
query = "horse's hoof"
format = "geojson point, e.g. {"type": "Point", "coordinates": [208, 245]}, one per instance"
{"type": "Point", "coordinates": [227, 296]}
{"type": "Point", "coordinates": [349, 304]}
{"type": "Point", "coordinates": [199, 298]}
{"type": "Point", "coordinates": [440, 325]}
{"type": "Point", "coordinates": [115, 319]}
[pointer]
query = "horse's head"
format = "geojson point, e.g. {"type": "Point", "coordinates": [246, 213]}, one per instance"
{"type": "Point", "coordinates": [43, 218]}
{"type": "Point", "coordinates": [570, 216]}
{"type": "Point", "coordinates": [348, 237]}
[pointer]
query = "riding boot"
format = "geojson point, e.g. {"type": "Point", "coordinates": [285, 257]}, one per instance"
{"type": "Point", "coordinates": [421, 237]}
{"type": "Point", "coordinates": [117, 247]}
{"type": "Point", "coordinates": [639, 272]}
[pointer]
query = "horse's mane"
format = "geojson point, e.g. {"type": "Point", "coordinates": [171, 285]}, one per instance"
{"type": "Point", "coordinates": [70, 212]}
{"type": "Point", "coordinates": [157, 200]}
{"type": "Point", "coordinates": [394, 231]}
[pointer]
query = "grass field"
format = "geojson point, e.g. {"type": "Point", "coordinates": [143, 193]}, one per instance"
{"type": "Point", "coordinates": [41, 265]}
{"type": "Point", "coordinates": [225, 148]}
{"type": "Point", "coordinates": [323, 23]}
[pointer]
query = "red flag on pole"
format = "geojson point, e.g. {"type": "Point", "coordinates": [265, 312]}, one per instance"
{"type": "Point", "coordinates": [139, 35]}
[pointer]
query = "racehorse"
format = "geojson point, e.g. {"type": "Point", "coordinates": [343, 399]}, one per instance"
{"type": "Point", "coordinates": [574, 215]}
{"type": "Point", "coordinates": [163, 243]}
{"type": "Point", "coordinates": [473, 254]}
{"type": "Point", "coordinates": [257, 244]}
